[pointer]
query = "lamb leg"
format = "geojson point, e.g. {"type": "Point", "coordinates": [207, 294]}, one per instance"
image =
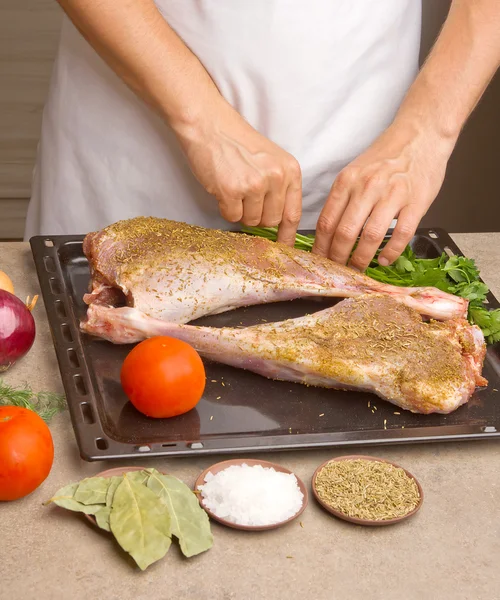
{"type": "Point", "coordinates": [372, 343]}
{"type": "Point", "coordinates": [179, 273]}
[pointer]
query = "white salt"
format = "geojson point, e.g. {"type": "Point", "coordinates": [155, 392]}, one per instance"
{"type": "Point", "coordinates": [254, 496]}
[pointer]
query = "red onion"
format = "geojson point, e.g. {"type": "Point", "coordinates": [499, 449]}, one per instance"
{"type": "Point", "coordinates": [17, 329]}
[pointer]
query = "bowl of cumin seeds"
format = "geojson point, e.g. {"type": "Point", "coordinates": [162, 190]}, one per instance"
{"type": "Point", "coordinates": [367, 490]}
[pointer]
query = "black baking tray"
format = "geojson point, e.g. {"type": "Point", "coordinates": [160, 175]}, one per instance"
{"type": "Point", "coordinates": [240, 411]}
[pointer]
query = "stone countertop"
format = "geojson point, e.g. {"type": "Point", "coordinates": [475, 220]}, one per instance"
{"type": "Point", "coordinates": [449, 550]}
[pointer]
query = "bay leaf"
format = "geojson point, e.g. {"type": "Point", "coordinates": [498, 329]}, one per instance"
{"type": "Point", "coordinates": [189, 522]}
{"type": "Point", "coordinates": [113, 484]}
{"type": "Point", "coordinates": [138, 476]}
{"type": "Point", "coordinates": [92, 490]}
{"type": "Point", "coordinates": [140, 522]}
{"type": "Point", "coordinates": [65, 499]}
{"type": "Point", "coordinates": [102, 518]}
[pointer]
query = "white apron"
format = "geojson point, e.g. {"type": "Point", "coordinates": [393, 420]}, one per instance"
{"type": "Point", "coordinates": [320, 78]}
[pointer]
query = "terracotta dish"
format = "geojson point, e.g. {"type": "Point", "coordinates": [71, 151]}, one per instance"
{"type": "Point", "coordinates": [356, 520]}
{"type": "Point", "coordinates": [250, 462]}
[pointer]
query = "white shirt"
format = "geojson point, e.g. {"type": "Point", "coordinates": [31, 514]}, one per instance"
{"type": "Point", "coordinates": [321, 78]}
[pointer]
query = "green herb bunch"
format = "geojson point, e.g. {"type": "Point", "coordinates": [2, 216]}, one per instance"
{"type": "Point", "coordinates": [456, 275]}
{"type": "Point", "coordinates": [45, 404]}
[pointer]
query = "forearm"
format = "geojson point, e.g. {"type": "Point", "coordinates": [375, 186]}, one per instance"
{"type": "Point", "coordinates": [138, 44]}
{"type": "Point", "coordinates": [252, 179]}
{"type": "Point", "coordinates": [401, 173]}
{"type": "Point", "coordinates": [457, 71]}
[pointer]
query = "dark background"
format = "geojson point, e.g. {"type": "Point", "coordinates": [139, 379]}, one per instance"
{"type": "Point", "coordinates": [470, 197]}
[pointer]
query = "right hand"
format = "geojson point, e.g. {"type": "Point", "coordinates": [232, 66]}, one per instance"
{"type": "Point", "coordinates": [254, 181]}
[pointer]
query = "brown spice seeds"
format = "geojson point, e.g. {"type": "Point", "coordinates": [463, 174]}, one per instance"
{"type": "Point", "coordinates": [367, 489]}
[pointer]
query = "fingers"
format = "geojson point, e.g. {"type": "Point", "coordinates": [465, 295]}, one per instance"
{"type": "Point", "coordinates": [332, 213]}
{"type": "Point", "coordinates": [265, 203]}
{"type": "Point", "coordinates": [356, 201]}
{"type": "Point", "coordinates": [275, 199]}
{"type": "Point", "coordinates": [283, 206]}
{"type": "Point", "coordinates": [267, 192]}
{"type": "Point", "coordinates": [373, 234]}
{"type": "Point", "coordinates": [407, 224]}
{"type": "Point", "coordinates": [252, 209]}
{"type": "Point", "coordinates": [351, 223]}
{"type": "Point", "coordinates": [292, 212]}
{"type": "Point", "coordinates": [231, 209]}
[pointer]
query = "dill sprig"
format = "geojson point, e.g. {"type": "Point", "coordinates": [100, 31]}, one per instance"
{"type": "Point", "coordinates": [45, 404]}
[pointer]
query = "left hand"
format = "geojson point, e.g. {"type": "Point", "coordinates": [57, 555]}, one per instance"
{"type": "Point", "coordinates": [398, 176]}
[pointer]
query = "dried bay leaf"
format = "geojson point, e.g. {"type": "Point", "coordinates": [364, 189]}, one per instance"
{"type": "Point", "coordinates": [113, 484]}
{"type": "Point", "coordinates": [102, 518]}
{"type": "Point", "coordinates": [141, 509]}
{"type": "Point", "coordinates": [65, 499]}
{"type": "Point", "coordinates": [138, 476]}
{"type": "Point", "coordinates": [92, 490]}
{"type": "Point", "coordinates": [189, 522]}
{"type": "Point", "coordinates": [140, 522]}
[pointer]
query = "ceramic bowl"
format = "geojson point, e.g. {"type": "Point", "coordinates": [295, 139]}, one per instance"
{"type": "Point", "coordinates": [250, 462]}
{"type": "Point", "coordinates": [370, 523]}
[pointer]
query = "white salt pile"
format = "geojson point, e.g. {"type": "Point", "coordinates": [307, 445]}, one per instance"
{"type": "Point", "coordinates": [254, 496]}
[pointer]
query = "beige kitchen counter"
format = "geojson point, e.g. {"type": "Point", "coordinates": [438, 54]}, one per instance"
{"type": "Point", "coordinates": [450, 550]}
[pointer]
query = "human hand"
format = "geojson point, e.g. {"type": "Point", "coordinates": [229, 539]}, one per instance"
{"type": "Point", "coordinates": [254, 180]}
{"type": "Point", "coordinates": [398, 176]}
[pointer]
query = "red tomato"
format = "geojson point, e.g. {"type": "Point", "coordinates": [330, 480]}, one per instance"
{"type": "Point", "coordinates": [163, 377]}
{"type": "Point", "coordinates": [26, 452]}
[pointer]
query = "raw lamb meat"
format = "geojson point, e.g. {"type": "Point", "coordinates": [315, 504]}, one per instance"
{"type": "Point", "coordinates": [178, 273]}
{"type": "Point", "coordinates": [370, 343]}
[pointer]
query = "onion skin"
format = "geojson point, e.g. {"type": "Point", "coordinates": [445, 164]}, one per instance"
{"type": "Point", "coordinates": [6, 283]}
{"type": "Point", "coordinates": [17, 329]}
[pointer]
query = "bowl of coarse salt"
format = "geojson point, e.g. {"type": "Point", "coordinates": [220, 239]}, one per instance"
{"type": "Point", "coordinates": [249, 494]}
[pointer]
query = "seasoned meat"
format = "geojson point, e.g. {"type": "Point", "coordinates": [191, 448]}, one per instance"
{"type": "Point", "coordinates": [370, 343]}
{"type": "Point", "coordinates": [178, 273]}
